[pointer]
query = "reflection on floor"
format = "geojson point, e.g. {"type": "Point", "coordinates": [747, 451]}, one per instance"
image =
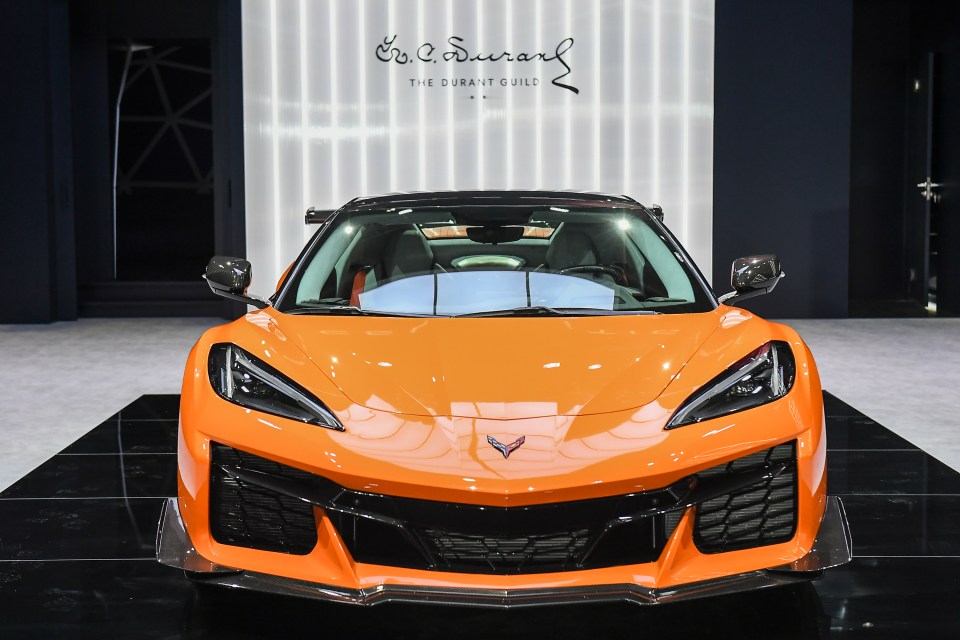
{"type": "Point", "coordinates": [77, 540]}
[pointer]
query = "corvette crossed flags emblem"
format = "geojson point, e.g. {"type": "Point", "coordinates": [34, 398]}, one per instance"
{"type": "Point", "coordinates": [506, 449]}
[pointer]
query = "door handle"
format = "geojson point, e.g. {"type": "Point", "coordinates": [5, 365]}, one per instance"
{"type": "Point", "coordinates": [927, 189]}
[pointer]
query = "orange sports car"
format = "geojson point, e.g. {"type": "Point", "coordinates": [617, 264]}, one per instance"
{"type": "Point", "coordinates": [501, 399]}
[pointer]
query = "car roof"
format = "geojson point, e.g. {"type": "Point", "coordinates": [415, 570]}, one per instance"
{"type": "Point", "coordinates": [495, 198]}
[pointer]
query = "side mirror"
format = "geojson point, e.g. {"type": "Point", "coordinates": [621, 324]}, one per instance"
{"type": "Point", "coordinates": [753, 276]}
{"type": "Point", "coordinates": [230, 278]}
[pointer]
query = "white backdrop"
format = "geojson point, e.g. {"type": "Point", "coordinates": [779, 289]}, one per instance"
{"type": "Point", "coordinates": [344, 98]}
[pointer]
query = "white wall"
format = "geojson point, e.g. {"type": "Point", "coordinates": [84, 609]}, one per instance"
{"type": "Point", "coordinates": [326, 119]}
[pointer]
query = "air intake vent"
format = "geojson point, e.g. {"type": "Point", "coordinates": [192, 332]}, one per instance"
{"type": "Point", "coordinates": [565, 536]}
{"type": "Point", "coordinates": [244, 514]}
{"type": "Point", "coordinates": [760, 514]}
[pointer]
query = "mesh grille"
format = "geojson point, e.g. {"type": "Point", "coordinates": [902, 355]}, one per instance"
{"type": "Point", "coordinates": [672, 519]}
{"type": "Point", "coordinates": [243, 514]}
{"type": "Point", "coordinates": [507, 554]}
{"type": "Point", "coordinates": [492, 540]}
{"type": "Point", "coordinates": [759, 514]}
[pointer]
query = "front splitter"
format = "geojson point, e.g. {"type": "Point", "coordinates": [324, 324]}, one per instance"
{"type": "Point", "coordinates": [831, 548]}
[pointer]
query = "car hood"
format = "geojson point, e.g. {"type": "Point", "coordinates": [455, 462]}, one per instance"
{"type": "Point", "coordinates": [500, 368]}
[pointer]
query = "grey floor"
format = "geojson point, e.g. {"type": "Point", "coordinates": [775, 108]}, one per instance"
{"type": "Point", "coordinates": [59, 381]}
{"type": "Point", "coordinates": [903, 373]}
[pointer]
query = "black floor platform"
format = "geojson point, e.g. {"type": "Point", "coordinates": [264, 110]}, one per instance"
{"type": "Point", "coordinates": [77, 543]}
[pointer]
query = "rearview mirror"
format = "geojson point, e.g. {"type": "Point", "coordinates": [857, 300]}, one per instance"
{"type": "Point", "coordinates": [494, 235]}
{"type": "Point", "coordinates": [230, 278]}
{"type": "Point", "coordinates": [753, 276]}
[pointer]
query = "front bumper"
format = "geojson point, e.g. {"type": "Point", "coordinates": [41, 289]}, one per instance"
{"type": "Point", "coordinates": [831, 548]}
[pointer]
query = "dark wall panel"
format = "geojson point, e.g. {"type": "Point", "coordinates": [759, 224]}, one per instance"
{"type": "Point", "coordinates": [782, 148]}
{"type": "Point", "coordinates": [36, 243]}
{"type": "Point", "coordinates": [881, 43]}
{"type": "Point", "coordinates": [93, 154]}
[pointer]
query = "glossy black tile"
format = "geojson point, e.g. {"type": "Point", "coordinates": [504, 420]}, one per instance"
{"type": "Point", "coordinates": [143, 599]}
{"type": "Point", "coordinates": [871, 597]}
{"type": "Point", "coordinates": [128, 436]}
{"type": "Point", "coordinates": [858, 432]}
{"type": "Point", "coordinates": [904, 525]}
{"type": "Point", "coordinates": [892, 598]}
{"type": "Point", "coordinates": [835, 407]}
{"type": "Point", "coordinates": [85, 599]}
{"type": "Point", "coordinates": [795, 608]}
{"type": "Point", "coordinates": [45, 529]}
{"type": "Point", "coordinates": [889, 471]}
{"type": "Point", "coordinates": [99, 476]}
{"type": "Point", "coordinates": [152, 407]}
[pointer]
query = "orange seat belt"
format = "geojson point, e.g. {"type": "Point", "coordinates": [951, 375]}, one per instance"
{"type": "Point", "coordinates": [359, 282]}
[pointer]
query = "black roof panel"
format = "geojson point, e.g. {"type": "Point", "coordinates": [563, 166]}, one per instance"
{"type": "Point", "coordinates": [501, 198]}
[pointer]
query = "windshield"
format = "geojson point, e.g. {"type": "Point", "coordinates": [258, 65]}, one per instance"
{"type": "Point", "coordinates": [475, 261]}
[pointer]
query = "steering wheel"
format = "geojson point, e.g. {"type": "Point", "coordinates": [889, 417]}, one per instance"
{"type": "Point", "coordinates": [619, 275]}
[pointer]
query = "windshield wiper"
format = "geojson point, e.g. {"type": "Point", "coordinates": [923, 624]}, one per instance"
{"type": "Point", "coordinates": [343, 309]}
{"type": "Point", "coordinates": [333, 310]}
{"type": "Point", "coordinates": [639, 297]}
{"type": "Point", "coordinates": [539, 310]}
{"type": "Point", "coordinates": [350, 310]}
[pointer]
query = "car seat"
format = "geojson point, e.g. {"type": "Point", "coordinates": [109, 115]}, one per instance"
{"type": "Point", "coordinates": [570, 247]}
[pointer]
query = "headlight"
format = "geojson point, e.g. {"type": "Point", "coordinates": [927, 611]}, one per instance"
{"type": "Point", "coordinates": [243, 379]}
{"type": "Point", "coordinates": [761, 377]}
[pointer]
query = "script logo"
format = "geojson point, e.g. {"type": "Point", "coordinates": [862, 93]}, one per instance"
{"type": "Point", "coordinates": [456, 52]}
